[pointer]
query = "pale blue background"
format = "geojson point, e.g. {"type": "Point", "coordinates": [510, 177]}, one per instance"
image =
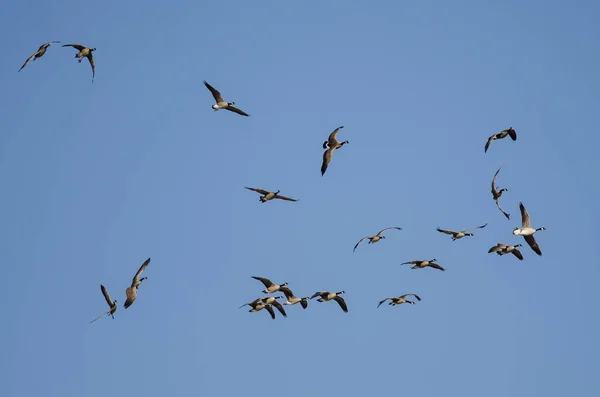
{"type": "Point", "coordinates": [98, 177]}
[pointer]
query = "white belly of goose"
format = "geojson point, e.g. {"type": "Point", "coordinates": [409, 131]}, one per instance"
{"type": "Point", "coordinates": [527, 231]}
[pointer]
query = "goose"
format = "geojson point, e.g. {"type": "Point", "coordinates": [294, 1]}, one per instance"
{"type": "Point", "coordinates": [87, 53]}
{"type": "Point", "coordinates": [272, 300]}
{"type": "Point", "coordinates": [131, 292]}
{"type": "Point", "coordinates": [257, 305]}
{"type": "Point", "coordinates": [331, 144]}
{"type": "Point", "coordinates": [501, 135]}
{"type": "Point", "coordinates": [327, 296]}
{"type": "Point", "coordinates": [112, 304]}
{"type": "Point", "coordinates": [399, 300]}
{"type": "Point", "coordinates": [292, 299]}
{"type": "Point", "coordinates": [497, 193]}
{"type": "Point", "coordinates": [375, 238]}
{"type": "Point", "coordinates": [39, 53]}
{"type": "Point", "coordinates": [221, 103]}
{"type": "Point", "coordinates": [418, 264]}
{"type": "Point", "coordinates": [497, 247]}
{"type": "Point", "coordinates": [270, 287]}
{"type": "Point", "coordinates": [462, 233]}
{"type": "Point", "coordinates": [267, 195]}
{"type": "Point", "coordinates": [527, 231]}
{"type": "Point", "coordinates": [511, 249]}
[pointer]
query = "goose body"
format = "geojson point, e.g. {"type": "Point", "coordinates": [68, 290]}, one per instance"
{"type": "Point", "coordinates": [375, 238]}
{"type": "Point", "coordinates": [39, 53]}
{"type": "Point", "coordinates": [131, 291]}
{"type": "Point", "coordinates": [460, 234]}
{"type": "Point", "coordinates": [112, 304]}
{"type": "Point", "coordinates": [327, 296]}
{"type": "Point", "coordinates": [331, 144]}
{"type": "Point", "coordinates": [501, 135]}
{"type": "Point", "coordinates": [85, 52]}
{"type": "Point", "coordinates": [258, 305]}
{"type": "Point", "coordinates": [527, 231]}
{"type": "Point", "coordinates": [267, 195]}
{"type": "Point", "coordinates": [292, 299]}
{"type": "Point", "coordinates": [420, 264]}
{"type": "Point", "coordinates": [399, 300]}
{"type": "Point", "coordinates": [221, 103]}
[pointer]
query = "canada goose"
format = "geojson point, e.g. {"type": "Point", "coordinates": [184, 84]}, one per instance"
{"type": "Point", "coordinates": [267, 195]}
{"type": "Point", "coordinates": [270, 286]}
{"type": "Point", "coordinates": [527, 231]}
{"type": "Point", "coordinates": [511, 248]}
{"type": "Point", "coordinates": [497, 247]}
{"type": "Point", "coordinates": [375, 238]}
{"type": "Point", "coordinates": [131, 292]}
{"type": "Point", "coordinates": [292, 299]}
{"type": "Point", "coordinates": [221, 103]}
{"type": "Point", "coordinates": [112, 304]}
{"type": "Point", "coordinates": [327, 296]}
{"type": "Point", "coordinates": [502, 134]}
{"type": "Point", "coordinates": [39, 53]}
{"type": "Point", "coordinates": [461, 234]}
{"type": "Point", "coordinates": [331, 144]}
{"type": "Point", "coordinates": [497, 193]}
{"type": "Point", "coordinates": [399, 300]}
{"type": "Point", "coordinates": [85, 52]}
{"type": "Point", "coordinates": [257, 305]}
{"type": "Point", "coordinates": [422, 264]}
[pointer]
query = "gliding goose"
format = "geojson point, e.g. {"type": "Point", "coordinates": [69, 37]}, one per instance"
{"type": "Point", "coordinates": [527, 231]}
{"type": "Point", "coordinates": [399, 300]}
{"type": "Point", "coordinates": [292, 299]}
{"type": "Point", "coordinates": [461, 234]}
{"type": "Point", "coordinates": [375, 238]}
{"type": "Point", "coordinates": [501, 135]}
{"type": "Point", "coordinates": [270, 287]}
{"type": "Point", "coordinates": [221, 103]}
{"type": "Point", "coordinates": [331, 144]}
{"type": "Point", "coordinates": [112, 304]}
{"type": "Point", "coordinates": [418, 264]}
{"type": "Point", "coordinates": [131, 292]}
{"type": "Point", "coordinates": [497, 193]}
{"type": "Point", "coordinates": [257, 305]}
{"type": "Point", "coordinates": [327, 296]}
{"type": "Point", "coordinates": [267, 195]}
{"type": "Point", "coordinates": [87, 53]}
{"type": "Point", "coordinates": [39, 53]}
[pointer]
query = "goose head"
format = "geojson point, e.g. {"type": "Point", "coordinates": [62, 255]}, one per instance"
{"type": "Point", "coordinates": [518, 245]}
{"type": "Point", "coordinates": [325, 144]}
{"type": "Point", "coordinates": [469, 234]}
{"type": "Point", "coordinates": [343, 143]}
{"type": "Point", "coordinates": [410, 302]}
{"type": "Point", "coordinates": [284, 284]}
{"type": "Point", "coordinates": [516, 231]}
{"type": "Point", "coordinates": [540, 228]}
{"type": "Point", "coordinates": [277, 192]}
{"type": "Point", "coordinates": [231, 103]}
{"type": "Point", "coordinates": [341, 292]}
{"type": "Point", "coordinates": [433, 260]}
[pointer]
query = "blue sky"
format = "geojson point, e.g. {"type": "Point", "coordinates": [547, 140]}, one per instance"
{"type": "Point", "coordinates": [98, 177]}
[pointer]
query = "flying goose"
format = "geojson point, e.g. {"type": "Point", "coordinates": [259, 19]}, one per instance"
{"type": "Point", "coordinates": [511, 248]}
{"type": "Point", "coordinates": [257, 305]}
{"type": "Point", "coordinates": [527, 231]}
{"type": "Point", "coordinates": [327, 296]}
{"type": "Point", "coordinates": [267, 195]}
{"type": "Point", "coordinates": [418, 264]}
{"type": "Point", "coordinates": [462, 233]}
{"type": "Point", "coordinates": [270, 286]}
{"type": "Point", "coordinates": [39, 53]}
{"type": "Point", "coordinates": [375, 238]}
{"type": "Point", "coordinates": [292, 299]}
{"type": "Point", "coordinates": [399, 300]}
{"type": "Point", "coordinates": [497, 247]}
{"type": "Point", "coordinates": [497, 193]}
{"type": "Point", "coordinates": [131, 292]}
{"type": "Point", "coordinates": [112, 304]}
{"type": "Point", "coordinates": [87, 53]}
{"type": "Point", "coordinates": [331, 144]}
{"type": "Point", "coordinates": [221, 103]}
{"type": "Point", "coordinates": [502, 134]}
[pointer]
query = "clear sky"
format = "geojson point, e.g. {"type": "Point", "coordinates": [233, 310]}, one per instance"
{"type": "Point", "coordinates": [98, 177]}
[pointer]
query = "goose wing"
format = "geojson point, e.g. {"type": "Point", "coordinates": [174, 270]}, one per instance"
{"type": "Point", "coordinates": [27, 61]}
{"type": "Point", "coordinates": [280, 308]}
{"type": "Point", "coordinates": [489, 142]}
{"type": "Point", "coordinates": [497, 247]}
{"type": "Point", "coordinates": [327, 156]}
{"type": "Point", "coordinates": [320, 293]}
{"type": "Point", "coordinates": [359, 241]}
{"type": "Point", "coordinates": [270, 310]}
{"type": "Point", "coordinates": [90, 58]}
{"type": "Point", "coordinates": [78, 46]}
{"type": "Point", "coordinates": [388, 228]}
{"type": "Point", "coordinates": [475, 228]}
{"type": "Point", "coordinates": [287, 292]}
{"type": "Point", "coordinates": [266, 282]}
{"type": "Point", "coordinates": [533, 244]}
{"type": "Point", "coordinates": [261, 191]}
{"type": "Point", "coordinates": [381, 302]}
{"type": "Point", "coordinates": [277, 196]}
{"type": "Point", "coordinates": [236, 110]}
{"type": "Point", "coordinates": [518, 253]}
{"type": "Point", "coordinates": [494, 181]}
{"type": "Point", "coordinates": [436, 266]}
{"type": "Point", "coordinates": [507, 215]}
{"type": "Point", "coordinates": [332, 137]}
{"type": "Point", "coordinates": [525, 220]}
{"type": "Point", "coordinates": [341, 302]}
{"type": "Point", "coordinates": [216, 94]}
{"type": "Point", "coordinates": [415, 262]}
{"type": "Point", "coordinates": [131, 295]}
{"type": "Point", "coordinates": [304, 303]}
{"type": "Point", "coordinates": [140, 270]}
{"type": "Point", "coordinates": [100, 316]}
{"type": "Point", "coordinates": [446, 231]}
{"type": "Point", "coordinates": [253, 303]}
{"type": "Point", "coordinates": [513, 134]}
{"type": "Point", "coordinates": [106, 296]}
{"type": "Point", "coordinates": [405, 295]}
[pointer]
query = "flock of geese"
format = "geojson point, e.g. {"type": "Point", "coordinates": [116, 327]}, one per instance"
{"type": "Point", "coordinates": [268, 301]}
